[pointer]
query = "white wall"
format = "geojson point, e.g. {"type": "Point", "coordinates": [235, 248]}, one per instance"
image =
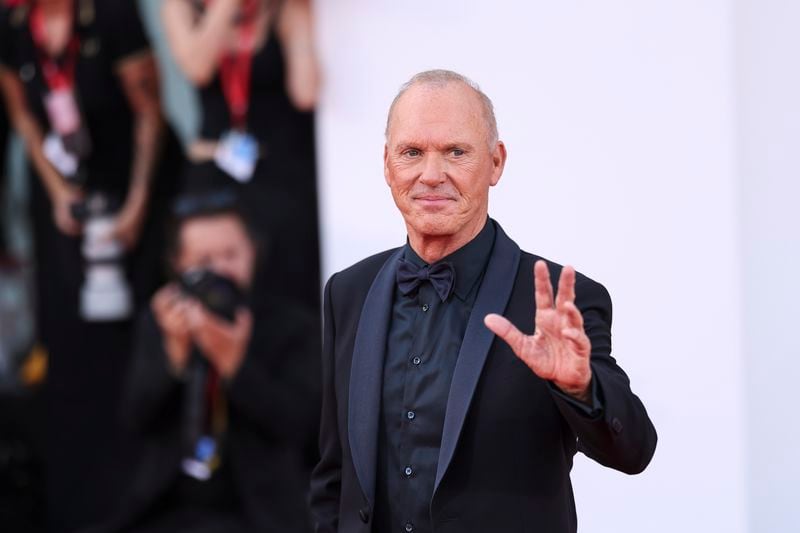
{"type": "Point", "coordinates": [769, 156]}
{"type": "Point", "coordinates": [619, 119]}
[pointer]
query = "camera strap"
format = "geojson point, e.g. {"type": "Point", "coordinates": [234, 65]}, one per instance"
{"type": "Point", "coordinates": [205, 419]}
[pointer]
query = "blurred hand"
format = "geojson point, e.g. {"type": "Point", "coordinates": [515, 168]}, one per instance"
{"type": "Point", "coordinates": [171, 310]}
{"type": "Point", "coordinates": [223, 343]}
{"type": "Point", "coordinates": [128, 224]}
{"type": "Point", "coordinates": [302, 80]}
{"type": "Point", "coordinates": [63, 200]}
{"type": "Point", "coordinates": [559, 349]}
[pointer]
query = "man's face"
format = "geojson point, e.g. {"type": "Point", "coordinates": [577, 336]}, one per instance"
{"type": "Point", "coordinates": [438, 161]}
{"type": "Point", "coordinates": [219, 243]}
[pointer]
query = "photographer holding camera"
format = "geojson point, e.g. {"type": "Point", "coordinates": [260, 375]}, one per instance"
{"type": "Point", "coordinates": [223, 388]}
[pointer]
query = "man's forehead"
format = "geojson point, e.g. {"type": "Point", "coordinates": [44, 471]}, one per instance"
{"type": "Point", "coordinates": [419, 98]}
{"type": "Point", "coordinates": [436, 111]}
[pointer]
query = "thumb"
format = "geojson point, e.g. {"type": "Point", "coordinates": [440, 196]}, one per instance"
{"type": "Point", "coordinates": [507, 331]}
{"type": "Point", "coordinates": [244, 320]}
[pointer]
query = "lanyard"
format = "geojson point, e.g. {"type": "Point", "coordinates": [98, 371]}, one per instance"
{"type": "Point", "coordinates": [216, 406]}
{"type": "Point", "coordinates": [235, 68]}
{"type": "Point", "coordinates": [58, 77]}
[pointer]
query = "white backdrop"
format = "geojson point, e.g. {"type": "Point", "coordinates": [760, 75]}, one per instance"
{"type": "Point", "coordinates": [618, 117]}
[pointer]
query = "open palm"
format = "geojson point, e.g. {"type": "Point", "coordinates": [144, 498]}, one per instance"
{"type": "Point", "coordinates": [559, 349]}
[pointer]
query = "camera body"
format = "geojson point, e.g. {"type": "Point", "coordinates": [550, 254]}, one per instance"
{"type": "Point", "coordinates": [105, 294]}
{"type": "Point", "coordinates": [217, 293]}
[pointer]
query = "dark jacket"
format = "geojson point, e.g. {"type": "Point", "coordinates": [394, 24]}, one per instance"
{"type": "Point", "coordinates": [273, 415]}
{"type": "Point", "coordinates": [508, 439]}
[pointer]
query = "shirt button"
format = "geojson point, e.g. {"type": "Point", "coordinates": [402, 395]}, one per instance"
{"type": "Point", "coordinates": [411, 415]}
{"type": "Point", "coordinates": [409, 527]}
{"type": "Point", "coordinates": [425, 307]}
{"type": "Point", "coordinates": [408, 471]}
{"type": "Point", "coordinates": [416, 360]}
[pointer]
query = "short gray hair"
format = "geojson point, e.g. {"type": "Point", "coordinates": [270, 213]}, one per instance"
{"type": "Point", "coordinates": [440, 78]}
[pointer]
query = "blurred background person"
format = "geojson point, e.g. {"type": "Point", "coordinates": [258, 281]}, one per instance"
{"type": "Point", "coordinates": [81, 90]}
{"type": "Point", "coordinates": [224, 388]}
{"type": "Point", "coordinates": [254, 66]}
{"type": "Point", "coordinates": [4, 129]}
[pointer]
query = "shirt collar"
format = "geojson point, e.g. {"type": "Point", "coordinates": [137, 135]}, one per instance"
{"type": "Point", "coordinates": [469, 261]}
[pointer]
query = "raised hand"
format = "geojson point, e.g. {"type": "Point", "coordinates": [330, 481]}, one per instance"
{"type": "Point", "coordinates": [559, 349]}
{"type": "Point", "coordinates": [223, 343]}
{"type": "Point", "coordinates": [62, 202]}
{"type": "Point", "coordinates": [170, 309]}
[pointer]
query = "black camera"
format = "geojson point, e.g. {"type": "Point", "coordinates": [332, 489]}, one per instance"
{"type": "Point", "coordinates": [218, 294]}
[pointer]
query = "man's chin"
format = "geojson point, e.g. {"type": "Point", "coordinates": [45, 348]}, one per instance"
{"type": "Point", "coordinates": [432, 224]}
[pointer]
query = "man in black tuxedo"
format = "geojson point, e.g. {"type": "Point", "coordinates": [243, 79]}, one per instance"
{"type": "Point", "coordinates": [430, 422]}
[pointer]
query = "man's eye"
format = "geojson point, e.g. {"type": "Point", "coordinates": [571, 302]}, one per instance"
{"type": "Point", "coordinates": [413, 152]}
{"type": "Point", "coordinates": [458, 152]}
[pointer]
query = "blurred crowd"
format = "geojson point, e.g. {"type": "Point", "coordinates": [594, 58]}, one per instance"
{"type": "Point", "coordinates": [159, 337]}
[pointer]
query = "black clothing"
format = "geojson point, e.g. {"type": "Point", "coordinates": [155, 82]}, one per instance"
{"type": "Point", "coordinates": [281, 197]}
{"type": "Point", "coordinates": [422, 349]}
{"type": "Point", "coordinates": [508, 439]}
{"type": "Point", "coordinates": [4, 128]}
{"type": "Point", "coordinates": [3, 150]}
{"type": "Point", "coordinates": [273, 412]}
{"type": "Point", "coordinates": [86, 360]}
{"type": "Point", "coordinates": [113, 33]}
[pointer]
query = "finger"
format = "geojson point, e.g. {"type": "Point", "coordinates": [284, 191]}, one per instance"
{"type": "Point", "coordinates": [70, 228]}
{"type": "Point", "coordinates": [543, 288]}
{"type": "Point", "coordinates": [573, 315]}
{"type": "Point", "coordinates": [507, 331]}
{"type": "Point", "coordinates": [158, 302]}
{"type": "Point", "coordinates": [244, 320]}
{"type": "Point", "coordinates": [566, 286]}
{"type": "Point", "coordinates": [194, 314]}
{"type": "Point", "coordinates": [167, 301]}
{"type": "Point", "coordinates": [213, 325]}
{"type": "Point", "coordinates": [161, 300]}
{"type": "Point", "coordinates": [579, 338]}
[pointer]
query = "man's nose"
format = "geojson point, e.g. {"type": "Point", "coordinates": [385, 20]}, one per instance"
{"type": "Point", "coordinates": [433, 170]}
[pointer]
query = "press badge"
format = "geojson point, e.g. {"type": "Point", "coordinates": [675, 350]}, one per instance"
{"type": "Point", "coordinates": [237, 154]}
{"type": "Point", "coordinates": [62, 110]}
{"type": "Point", "coordinates": [65, 162]}
{"type": "Point", "coordinates": [205, 459]}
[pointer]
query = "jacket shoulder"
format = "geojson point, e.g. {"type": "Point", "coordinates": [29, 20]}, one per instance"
{"type": "Point", "coordinates": [583, 283]}
{"type": "Point", "coordinates": [360, 274]}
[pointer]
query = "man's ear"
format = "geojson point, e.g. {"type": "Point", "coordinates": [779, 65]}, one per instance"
{"type": "Point", "coordinates": [386, 164]}
{"type": "Point", "coordinates": [499, 156]}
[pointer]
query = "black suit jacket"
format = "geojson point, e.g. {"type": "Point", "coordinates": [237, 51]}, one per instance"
{"type": "Point", "coordinates": [273, 416]}
{"type": "Point", "coordinates": [508, 438]}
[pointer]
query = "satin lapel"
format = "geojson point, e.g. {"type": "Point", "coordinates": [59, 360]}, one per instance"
{"type": "Point", "coordinates": [493, 296]}
{"type": "Point", "coordinates": [366, 374]}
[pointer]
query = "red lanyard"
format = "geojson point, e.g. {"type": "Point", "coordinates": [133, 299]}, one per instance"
{"type": "Point", "coordinates": [235, 68]}
{"type": "Point", "coordinates": [57, 76]}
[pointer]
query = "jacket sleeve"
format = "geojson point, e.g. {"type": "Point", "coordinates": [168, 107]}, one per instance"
{"type": "Point", "coordinates": [152, 394]}
{"type": "Point", "coordinates": [327, 476]}
{"type": "Point", "coordinates": [618, 434]}
{"type": "Point", "coordinates": [277, 387]}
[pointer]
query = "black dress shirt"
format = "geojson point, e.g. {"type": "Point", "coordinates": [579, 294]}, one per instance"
{"type": "Point", "coordinates": [424, 339]}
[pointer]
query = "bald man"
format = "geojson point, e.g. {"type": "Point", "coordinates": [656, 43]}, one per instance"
{"type": "Point", "coordinates": [461, 374]}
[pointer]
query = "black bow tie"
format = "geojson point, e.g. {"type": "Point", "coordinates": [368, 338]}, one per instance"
{"type": "Point", "coordinates": [441, 275]}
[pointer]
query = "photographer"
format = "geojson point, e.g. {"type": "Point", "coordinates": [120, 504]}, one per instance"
{"type": "Point", "coordinates": [251, 430]}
